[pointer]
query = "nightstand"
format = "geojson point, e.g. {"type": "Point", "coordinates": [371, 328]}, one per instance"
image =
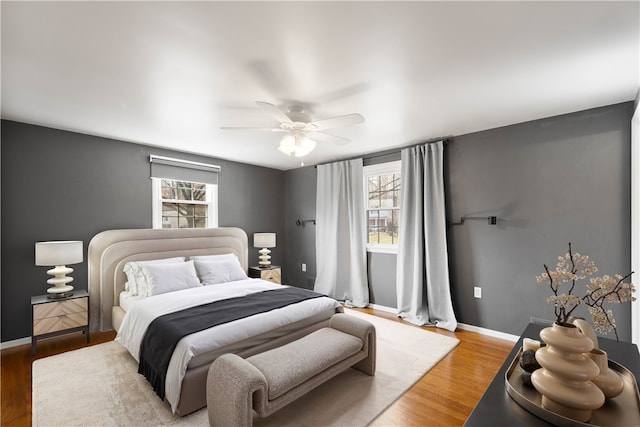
{"type": "Point", "coordinates": [273, 273]}
{"type": "Point", "coordinates": [51, 317]}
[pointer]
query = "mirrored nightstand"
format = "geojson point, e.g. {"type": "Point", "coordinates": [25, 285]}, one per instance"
{"type": "Point", "coordinates": [51, 317]}
{"type": "Point", "coordinates": [273, 273]}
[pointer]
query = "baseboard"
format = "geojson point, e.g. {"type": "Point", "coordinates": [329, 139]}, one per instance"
{"type": "Point", "coordinates": [383, 308]}
{"type": "Point", "coordinates": [463, 326]}
{"type": "Point", "coordinates": [489, 332]}
{"type": "Point", "coordinates": [15, 343]}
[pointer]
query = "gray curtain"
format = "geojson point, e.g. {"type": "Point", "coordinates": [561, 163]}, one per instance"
{"type": "Point", "coordinates": [341, 257]}
{"type": "Point", "coordinates": [424, 295]}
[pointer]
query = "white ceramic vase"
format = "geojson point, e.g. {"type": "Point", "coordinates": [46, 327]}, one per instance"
{"type": "Point", "coordinates": [586, 328]}
{"type": "Point", "coordinates": [607, 380]}
{"type": "Point", "coordinates": [564, 381]}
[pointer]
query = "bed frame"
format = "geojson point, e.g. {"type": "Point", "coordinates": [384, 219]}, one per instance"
{"type": "Point", "coordinates": [110, 250]}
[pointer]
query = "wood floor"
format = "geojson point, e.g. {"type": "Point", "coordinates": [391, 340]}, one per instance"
{"type": "Point", "coordinates": [445, 396]}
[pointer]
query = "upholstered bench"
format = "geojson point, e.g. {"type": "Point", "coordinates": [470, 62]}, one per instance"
{"type": "Point", "coordinates": [268, 381]}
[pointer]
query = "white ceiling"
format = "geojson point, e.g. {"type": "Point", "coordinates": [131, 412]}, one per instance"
{"type": "Point", "coordinates": [169, 74]}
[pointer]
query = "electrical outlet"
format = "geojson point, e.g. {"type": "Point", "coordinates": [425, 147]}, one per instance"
{"type": "Point", "coordinates": [304, 267]}
{"type": "Point", "coordinates": [477, 292]}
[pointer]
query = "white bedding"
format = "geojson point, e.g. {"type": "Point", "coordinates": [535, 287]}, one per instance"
{"type": "Point", "coordinates": [142, 313]}
{"type": "Point", "coordinates": [127, 300]}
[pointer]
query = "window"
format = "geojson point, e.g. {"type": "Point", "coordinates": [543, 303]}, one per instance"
{"type": "Point", "coordinates": [184, 204]}
{"type": "Point", "coordinates": [382, 203]}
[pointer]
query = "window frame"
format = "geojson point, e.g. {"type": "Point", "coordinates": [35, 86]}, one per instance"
{"type": "Point", "coordinates": [211, 202]}
{"type": "Point", "coordinates": [377, 170]}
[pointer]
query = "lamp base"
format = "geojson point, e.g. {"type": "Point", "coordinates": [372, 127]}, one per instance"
{"type": "Point", "coordinates": [265, 258]}
{"type": "Point", "coordinates": [60, 295]}
{"type": "Point", "coordinates": [60, 282]}
{"type": "Point", "coordinates": [60, 289]}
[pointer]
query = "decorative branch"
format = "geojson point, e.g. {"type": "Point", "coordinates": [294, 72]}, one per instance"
{"type": "Point", "coordinates": [572, 267]}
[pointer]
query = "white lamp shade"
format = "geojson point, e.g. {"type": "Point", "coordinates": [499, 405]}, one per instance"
{"type": "Point", "coordinates": [264, 240]}
{"type": "Point", "coordinates": [58, 253]}
{"type": "Point", "coordinates": [297, 144]}
{"type": "Point", "coordinates": [288, 144]}
{"type": "Point", "coordinates": [304, 146]}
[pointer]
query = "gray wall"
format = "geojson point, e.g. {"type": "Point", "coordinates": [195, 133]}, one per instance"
{"type": "Point", "coordinates": [299, 204]}
{"type": "Point", "coordinates": [381, 269]}
{"type": "Point", "coordinates": [59, 185]}
{"type": "Point", "coordinates": [552, 181]}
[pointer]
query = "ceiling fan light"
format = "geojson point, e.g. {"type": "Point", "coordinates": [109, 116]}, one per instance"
{"type": "Point", "coordinates": [296, 144]}
{"type": "Point", "coordinates": [304, 146]}
{"type": "Point", "coordinates": [284, 150]}
{"type": "Point", "coordinates": [296, 124]}
{"type": "Point", "coordinates": [288, 144]}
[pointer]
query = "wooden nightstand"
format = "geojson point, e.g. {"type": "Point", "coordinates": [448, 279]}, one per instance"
{"type": "Point", "coordinates": [271, 273]}
{"type": "Point", "coordinates": [51, 317]}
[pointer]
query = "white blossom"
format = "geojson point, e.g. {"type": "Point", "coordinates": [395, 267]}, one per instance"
{"type": "Point", "coordinates": [600, 290]}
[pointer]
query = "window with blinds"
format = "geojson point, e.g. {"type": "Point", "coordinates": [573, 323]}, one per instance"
{"type": "Point", "coordinates": [185, 193]}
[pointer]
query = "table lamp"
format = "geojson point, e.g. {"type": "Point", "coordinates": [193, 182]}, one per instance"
{"type": "Point", "coordinates": [58, 254]}
{"type": "Point", "coordinates": [264, 241]}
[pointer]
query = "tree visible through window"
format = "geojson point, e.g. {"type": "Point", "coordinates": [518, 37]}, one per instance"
{"type": "Point", "coordinates": [184, 204]}
{"type": "Point", "coordinates": [383, 204]}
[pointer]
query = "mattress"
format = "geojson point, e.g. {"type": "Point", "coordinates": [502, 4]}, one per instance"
{"type": "Point", "coordinates": [203, 347]}
{"type": "Point", "coordinates": [127, 300]}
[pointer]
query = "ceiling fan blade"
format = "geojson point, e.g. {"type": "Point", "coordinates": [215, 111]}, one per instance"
{"type": "Point", "coordinates": [251, 128]}
{"type": "Point", "coordinates": [335, 122]}
{"type": "Point", "coordinates": [327, 137]}
{"type": "Point", "coordinates": [275, 112]}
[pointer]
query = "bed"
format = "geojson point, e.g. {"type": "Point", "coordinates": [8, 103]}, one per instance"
{"type": "Point", "coordinates": [110, 251]}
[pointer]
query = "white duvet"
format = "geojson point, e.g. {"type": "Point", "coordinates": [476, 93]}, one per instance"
{"type": "Point", "coordinates": [142, 313]}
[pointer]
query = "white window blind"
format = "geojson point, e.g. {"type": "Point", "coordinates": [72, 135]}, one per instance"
{"type": "Point", "coordinates": [183, 170]}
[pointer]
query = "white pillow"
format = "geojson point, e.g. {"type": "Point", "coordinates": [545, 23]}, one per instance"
{"type": "Point", "coordinates": [136, 280]}
{"type": "Point", "coordinates": [163, 278]}
{"type": "Point", "coordinates": [220, 271]}
{"type": "Point", "coordinates": [221, 257]}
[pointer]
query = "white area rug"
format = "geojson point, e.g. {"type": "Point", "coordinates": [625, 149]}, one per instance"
{"type": "Point", "coordinates": [99, 386]}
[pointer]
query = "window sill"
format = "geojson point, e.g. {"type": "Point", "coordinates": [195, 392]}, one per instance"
{"type": "Point", "coordinates": [383, 249]}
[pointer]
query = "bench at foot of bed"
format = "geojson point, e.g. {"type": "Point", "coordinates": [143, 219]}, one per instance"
{"type": "Point", "coordinates": [268, 381]}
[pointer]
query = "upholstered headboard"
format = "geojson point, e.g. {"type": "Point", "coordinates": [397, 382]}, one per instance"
{"type": "Point", "coordinates": [110, 250]}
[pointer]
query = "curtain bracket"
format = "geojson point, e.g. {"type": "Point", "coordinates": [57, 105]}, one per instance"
{"type": "Point", "coordinates": [491, 220]}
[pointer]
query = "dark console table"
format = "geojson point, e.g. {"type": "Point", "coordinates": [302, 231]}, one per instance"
{"type": "Point", "coordinates": [496, 408]}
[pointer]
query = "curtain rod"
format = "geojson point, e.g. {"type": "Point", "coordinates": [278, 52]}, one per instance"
{"type": "Point", "coordinates": [170, 161]}
{"type": "Point", "coordinates": [446, 141]}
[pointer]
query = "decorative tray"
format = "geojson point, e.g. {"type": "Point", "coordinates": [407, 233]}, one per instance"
{"type": "Point", "coordinates": [620, 411]}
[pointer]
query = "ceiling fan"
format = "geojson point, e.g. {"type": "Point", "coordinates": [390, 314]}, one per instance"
{"type": "Point", "coordinates": [301, 133]}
